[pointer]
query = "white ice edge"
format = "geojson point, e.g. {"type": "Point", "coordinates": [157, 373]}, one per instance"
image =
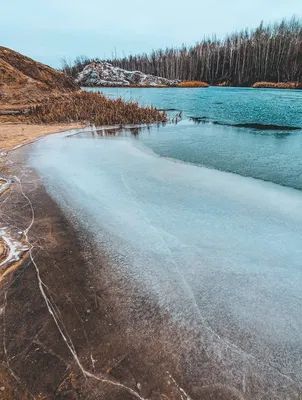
{"type": "Point", "coordinates": [12, 249]}
{"type": "Point", "coordinates": [4, 186]}
{"type": "Point", "coordinates": [16, 248]}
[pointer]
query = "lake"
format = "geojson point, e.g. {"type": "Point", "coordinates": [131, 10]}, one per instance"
{"type": "Point", "coordinates": [264, 152]}
{"type": "Point", "coordinates": [193, 237]}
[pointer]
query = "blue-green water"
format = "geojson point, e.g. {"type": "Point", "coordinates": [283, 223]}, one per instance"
{"type": "Point", "coordinates": [267, 152]}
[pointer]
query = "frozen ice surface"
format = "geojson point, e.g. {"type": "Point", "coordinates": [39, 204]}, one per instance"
{"type": "Point", "coordinates": [221, 252]}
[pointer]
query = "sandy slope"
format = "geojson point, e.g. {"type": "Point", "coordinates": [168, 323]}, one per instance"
{"type": "Point", "coordinates": [24, 82]}
{"type": "Point", "coordinates": [12, 134]}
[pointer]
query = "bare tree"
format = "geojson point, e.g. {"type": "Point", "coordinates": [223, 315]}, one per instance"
{"type": "Point", "coordinates": [268, 53]}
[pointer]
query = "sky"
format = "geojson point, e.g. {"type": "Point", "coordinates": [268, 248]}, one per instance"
{"type": "Point", "coordinates": [49, 30]}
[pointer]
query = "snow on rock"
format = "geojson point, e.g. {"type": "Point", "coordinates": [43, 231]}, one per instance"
{"type": "Point", "coordinates": [105, 74]}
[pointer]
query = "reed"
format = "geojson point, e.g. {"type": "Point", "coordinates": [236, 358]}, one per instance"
{"type": "Point", "coordinates": [93, 108]}
{"type": "Point", "coordinates": [278, 85]}
{"type": "Point", "coordinates": [193, 84]}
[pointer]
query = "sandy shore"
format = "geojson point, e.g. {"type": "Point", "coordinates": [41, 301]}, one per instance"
{"type": "Point", "coordinates": [14, 134]}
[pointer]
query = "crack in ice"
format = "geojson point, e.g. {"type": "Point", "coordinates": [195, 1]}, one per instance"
{"type": "Point", "coordinates": [191, 294]}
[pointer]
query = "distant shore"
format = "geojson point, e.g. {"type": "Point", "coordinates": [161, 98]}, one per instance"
{"type": "Point", "coordinates": [197, 84]}
{"type": "Point", "coordinates": [182, 85]}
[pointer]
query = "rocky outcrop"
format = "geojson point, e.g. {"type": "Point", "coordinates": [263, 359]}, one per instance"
{"type": "Point", "coordinates": [105, 74]}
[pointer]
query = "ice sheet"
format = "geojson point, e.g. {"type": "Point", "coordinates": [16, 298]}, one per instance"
{"type": "Point", "coordinates": [222, 253]}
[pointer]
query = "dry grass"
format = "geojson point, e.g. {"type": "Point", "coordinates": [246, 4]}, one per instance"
{"type": "Point", "coordinates": [133, 85]}
{"type": "Point", "coordinates": [193, 84]}
{"type": "Point", "coordinates": [278, 85]}
{"type": "Point", "coordinates": [94, 108]}
{"type": "Point", "coordinates": [148, 86]}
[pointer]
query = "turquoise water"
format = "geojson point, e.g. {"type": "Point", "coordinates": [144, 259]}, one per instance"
{"type": "Point", "coordinates": [266, 145]}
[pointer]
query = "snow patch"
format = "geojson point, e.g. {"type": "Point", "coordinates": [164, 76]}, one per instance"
{"type": "Point", "coordinates": [15, 248]}
{"type": "Point", "coordinates": [105, 74]}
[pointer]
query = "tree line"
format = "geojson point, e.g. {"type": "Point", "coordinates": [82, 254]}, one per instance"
{"type": "Point", "coordinates": [271, 53]}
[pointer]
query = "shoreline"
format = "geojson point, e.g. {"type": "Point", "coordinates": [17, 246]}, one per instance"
{"type": "Point", "coordinates": [14, 135]}
{"type": "Point", "coordinates": [257, 85]}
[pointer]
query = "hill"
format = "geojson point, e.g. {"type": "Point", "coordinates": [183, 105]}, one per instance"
{"type": "Point", "coordinates": [25, 82]}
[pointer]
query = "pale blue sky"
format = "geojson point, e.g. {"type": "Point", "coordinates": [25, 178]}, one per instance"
{"type": "Point", "coordinates": [48, 30]}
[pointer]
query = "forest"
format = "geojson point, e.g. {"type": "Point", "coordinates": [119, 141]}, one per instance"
{"type": "Point", "coordinates": [270, 53]}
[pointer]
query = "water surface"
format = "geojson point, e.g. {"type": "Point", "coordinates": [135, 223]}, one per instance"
{"type": "Point", "coordinates": [264, 152]}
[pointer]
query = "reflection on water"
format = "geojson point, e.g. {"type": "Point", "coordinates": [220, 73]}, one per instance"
{"type": "Point", "coordinates": [199, 120]}
{"type": "Point", "coordinates": [135, 131]}
{"type": "Point", "coordinates": [97, 132]}
{"type": "Point", "coordinates": [257, 126]}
